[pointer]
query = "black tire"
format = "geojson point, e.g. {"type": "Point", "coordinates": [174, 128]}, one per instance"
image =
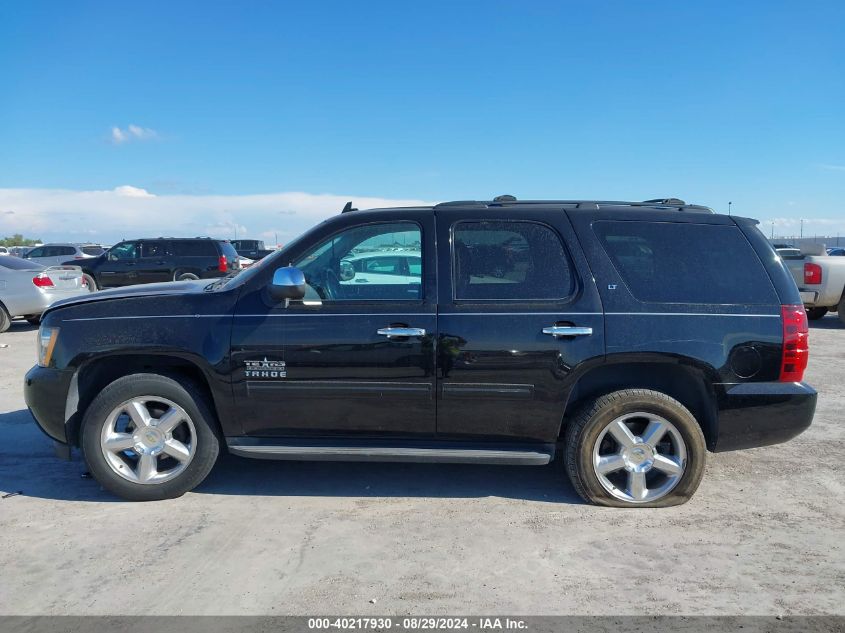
{"type": "Point", "coordinates": [814, 314]}
{"type": "Point", "coordinates": [5, 319]}
{"type": "Point", "coordinates": [586, 427]}
{"type": "Point", "coordinates": [184, 277]}
{"type": "Point", "coordinates": [840, 310]}
{"type": "Point", "coordinates": [180, 391]}
{"type": "Point", "coordinates": [92, 283]}
{"type": "Point", "coordinates": [33, 319]}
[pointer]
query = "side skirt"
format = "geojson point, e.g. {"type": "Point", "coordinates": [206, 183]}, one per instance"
{"type": "Point", "coordinates": [336, 449]}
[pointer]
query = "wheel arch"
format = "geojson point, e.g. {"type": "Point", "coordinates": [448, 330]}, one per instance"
{"type": "Point", "coordinates": [683, 379]}
{"type": "Point", "coordinates": [96, 373]}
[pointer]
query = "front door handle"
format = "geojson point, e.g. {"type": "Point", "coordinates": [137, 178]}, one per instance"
{"type": "Point", "coordinates": [400, 332]}
{"type": "Point", "coordinates": [567, 330]}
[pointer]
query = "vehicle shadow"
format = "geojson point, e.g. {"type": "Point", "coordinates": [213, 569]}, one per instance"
{"type": "Point", "coordinates": [31, 468]}
{"type": "Point", "coordinates": [830, 321]}
{"type": "Point", "coordinates": [19, 325]}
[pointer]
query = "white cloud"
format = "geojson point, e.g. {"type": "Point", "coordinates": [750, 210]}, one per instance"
{"type": "Point", "coordinates": [829, 167]}
{"type": "Point", "coordinates": [130, 212]}
{"type": "Point", "coordinates": [132, 133]}
{"type": "Point", "coordinates": [133, 192]}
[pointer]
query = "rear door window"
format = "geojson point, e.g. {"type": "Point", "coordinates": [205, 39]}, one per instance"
{"type": "Point", "coordinates": [508, 261]}
{"type": "Point", "coordinates": [92, 250]}
{"type": "Point", "coordinates": [666, 262]}
{"type": "Point", "coordinates": [154, 249]}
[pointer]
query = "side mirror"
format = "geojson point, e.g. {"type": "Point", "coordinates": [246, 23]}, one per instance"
{"type": "Point", "coordinates": [288, 283]}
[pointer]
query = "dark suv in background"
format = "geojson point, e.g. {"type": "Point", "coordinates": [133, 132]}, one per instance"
{"type": "Point", "coordinates": [159, 259]}
{"type": "Point", "coordinates": [629, 338]}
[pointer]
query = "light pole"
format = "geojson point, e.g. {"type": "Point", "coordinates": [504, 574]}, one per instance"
{"type": "Point", "coordinates": [773, 230]}
{"type": "Point", "coordinates": [729, 207]}
{"type": "Point", "coordinates": [802, 227]}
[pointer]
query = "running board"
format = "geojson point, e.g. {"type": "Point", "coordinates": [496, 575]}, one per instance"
{"type": "Point", "coordinates": [453, 452]}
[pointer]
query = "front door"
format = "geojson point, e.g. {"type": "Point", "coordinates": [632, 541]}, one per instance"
{"type": "Point", "coordinates": [121, 265]}
{"type": "Point", "coordinates": [514, 321]}
{"type": "Point", "coordinates": [357, 356]}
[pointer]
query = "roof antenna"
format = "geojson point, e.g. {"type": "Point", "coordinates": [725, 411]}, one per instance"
{"type": "Point", "coordinates": [348, 207]}
{"type": "Point", "coordinates": [505, 198]}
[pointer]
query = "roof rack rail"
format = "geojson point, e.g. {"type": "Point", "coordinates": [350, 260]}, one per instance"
{"type": "Point", "coordinates": [673, 202]}
{"type": "Point", "coordinates": [461, 203]}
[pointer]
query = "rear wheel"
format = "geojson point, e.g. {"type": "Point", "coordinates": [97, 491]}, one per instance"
{"type": "Point", "coordinates": [184, 277]}
{"type": "Point", "coordinates": [635, 448]}
{"type": "Point", "coordinates": [5, 319]}
{"type": "Point", "coordinates": [147, 437]}
{"type": "Point", "coordinates": [33, 319]}
{"type": "Point", "coordinates": [90, 282]}
{"type": "Point", "coordinates": [840, 310]}
{"type": "Point", "coordinates": [814, 314]}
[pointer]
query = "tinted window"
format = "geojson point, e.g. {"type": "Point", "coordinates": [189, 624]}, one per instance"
{"type": "Point", "coordinates": [195, 248]}
{"type": "Point", "coordinates": [36, 252]}
{"type": "Point", "coordinates": [92, 250]}
{"type": "Point", "coordinates": [366, 263]}
{"type": "Point", "coordinates": [665, 262]}
{"type": "Point", "coordinates": [494, 260]}
{"type": "Point", "coordinates": [13, 263]}
{"type": "Point", "coordinates": [153, 249]}
{"type": "Point", "coordinates": [66, 250]}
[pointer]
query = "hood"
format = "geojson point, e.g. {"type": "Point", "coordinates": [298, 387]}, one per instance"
{"type": "Point", "coordinates": [165, 289]}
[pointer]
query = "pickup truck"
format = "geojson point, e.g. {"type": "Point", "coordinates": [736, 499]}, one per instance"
{"type": "Point", "coordinates": [251, 249]}
{"type": "Point", "coordinates": [821, 281]}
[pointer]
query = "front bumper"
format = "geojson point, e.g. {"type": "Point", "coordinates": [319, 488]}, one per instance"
{"type": "Point", "coordinates": [45, 391]}
{"type": "Point", "coordinates": [762, 413]}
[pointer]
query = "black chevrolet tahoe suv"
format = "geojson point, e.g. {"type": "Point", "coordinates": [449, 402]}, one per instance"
{"type": "Point", "coordinates": [632, 338]}
{"type": "Point", "coordinates": [158, 259]}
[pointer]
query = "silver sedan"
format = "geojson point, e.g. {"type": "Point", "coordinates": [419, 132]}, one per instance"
{"type": "Point", "coordinates": [28, 288]}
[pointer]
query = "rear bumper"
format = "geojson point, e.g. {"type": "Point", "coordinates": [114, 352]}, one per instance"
{"type": "Point", "coordinates": [809, 298]}
{"type": "Point", "coordinates": [762, 413]}
{"type": "Point", "coordinates": [45, 391]}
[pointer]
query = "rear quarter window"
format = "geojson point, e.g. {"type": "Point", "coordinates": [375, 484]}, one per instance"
{"type": "Point", "coordinates": [666, 262]}
{"type": "Point", "coordinates": [228, 250]}
{"type": "Point", "coordinates": [195, 248]}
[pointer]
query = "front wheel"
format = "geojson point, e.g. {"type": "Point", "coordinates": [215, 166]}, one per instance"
{"type": "Point", "coordinates": [148, 437]}
{"type": "Point", "coordinates": [33, 319]}
{"type": "Point", "coordinates": [635, 448]}
{"type": "Point", "coordinates": [185, 277]}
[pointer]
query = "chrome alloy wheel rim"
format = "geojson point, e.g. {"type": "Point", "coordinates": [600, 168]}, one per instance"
{"type": "Point", "coordinates": [639, 457]}
{"type": "Point", "coordinates": [148, 440]}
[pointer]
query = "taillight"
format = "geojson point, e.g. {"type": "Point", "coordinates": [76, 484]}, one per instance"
{"type": "Point", "coordinates": [42, 282]}
{"type": "Point", "coordinates": [222, 264]}
{"type": "Point", "coordinates": [796, 349]}
{"type": "Point", "coordinates": [812, 273]}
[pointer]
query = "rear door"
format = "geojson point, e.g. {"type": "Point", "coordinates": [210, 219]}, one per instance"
{"type": "Point", "coordinates": [155, 263]}
{"type": "Point", "coordinates": [518, 314]}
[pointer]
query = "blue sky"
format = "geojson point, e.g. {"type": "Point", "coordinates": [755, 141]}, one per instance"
{"type": "Point", "coordinates": [261, 116]}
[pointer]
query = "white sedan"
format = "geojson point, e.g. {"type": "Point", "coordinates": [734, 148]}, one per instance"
{"type": "Point", "coordinates": [28, 288]}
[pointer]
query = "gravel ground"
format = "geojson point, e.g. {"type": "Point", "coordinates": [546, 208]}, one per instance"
{"type": "Point", "coordinates": [763, 535]}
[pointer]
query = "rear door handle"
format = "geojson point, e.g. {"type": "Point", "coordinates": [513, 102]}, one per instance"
{"type": "Point", "coordinates": [567, 330]}
{"type": "Point", "coordinates": [400, 332]}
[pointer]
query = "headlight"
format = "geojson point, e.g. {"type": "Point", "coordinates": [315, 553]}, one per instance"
{"type": "Point", "coordinates": [46, 342]}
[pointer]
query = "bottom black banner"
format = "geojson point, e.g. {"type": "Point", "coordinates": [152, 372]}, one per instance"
{"type": "Point", "coordinates": [487, 624]}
